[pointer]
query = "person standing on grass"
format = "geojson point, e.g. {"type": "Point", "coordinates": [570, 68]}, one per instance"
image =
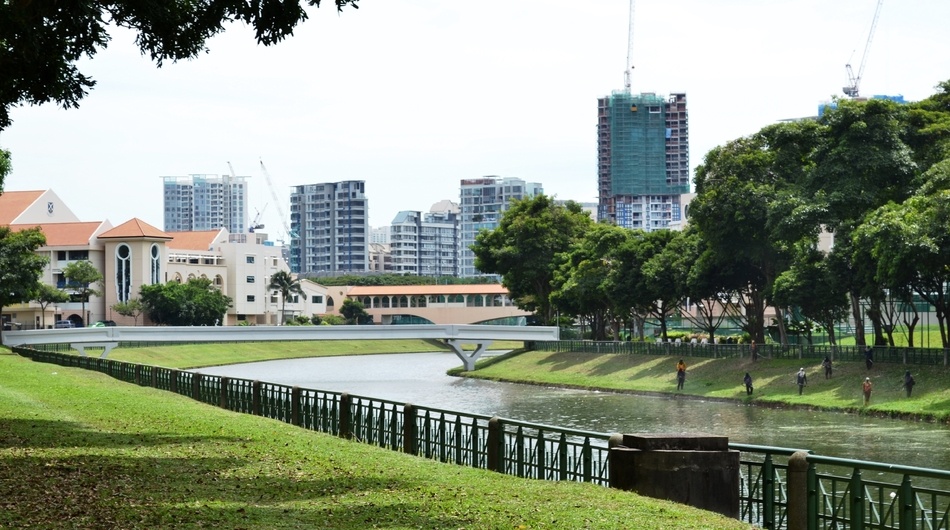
{"type": "Point", "coordinates": [747, 380]}
{"type": "Point", "coordinates": [866, 388]}
{"type": "Point", "coordinates": [680, 374]}
{"type": "Point", "coordinates": [826, 364]}
{"type": "Point", "coordinates": [802, 380]}
{"type": "Point", "coordinates": [755, 352]}
{"type": "Point", "coordinates": [908, 382]}
{"type": "Point", "coordinates": [869, 357]}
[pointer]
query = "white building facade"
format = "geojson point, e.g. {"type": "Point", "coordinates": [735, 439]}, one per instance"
{"type": "Point", "coordinates": [329, 226]}
{"type": "Point", "coordinates": [205, 202]}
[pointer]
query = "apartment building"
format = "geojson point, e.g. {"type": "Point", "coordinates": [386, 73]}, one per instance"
{"type": "Point", "coordinates": [426, 244]}
{"type": "Point", "coordinates": [205, 202]}
{"type": "Point", "coordinates": [329, 226]}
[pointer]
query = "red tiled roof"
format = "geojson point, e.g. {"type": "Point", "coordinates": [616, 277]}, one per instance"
{"type": "Point", "coordinates": [202, 240]}
{"type": "Point", "coordinates": [13, 203]}
{"type": "Point", "coordinates": [134, 228]}
{"type": "Point", "coordinates": [65, 234]}
{"type": "Point", "coordinates": [410, 290]}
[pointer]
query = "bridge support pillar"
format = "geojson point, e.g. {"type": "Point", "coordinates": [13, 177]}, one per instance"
{"type": "Point", "coordinates": [106, 347]}
{"type": "Point", "coordinates": [468, 360]}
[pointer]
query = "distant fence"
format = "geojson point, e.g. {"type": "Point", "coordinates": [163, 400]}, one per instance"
{"type": "Point", "coordinates": [917, 356]}
{"type": "Point", "coordinates": [838, 497]}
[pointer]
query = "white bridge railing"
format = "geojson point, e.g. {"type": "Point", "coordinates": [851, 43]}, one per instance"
{"type": "Point", "coordinates": [453, 334]}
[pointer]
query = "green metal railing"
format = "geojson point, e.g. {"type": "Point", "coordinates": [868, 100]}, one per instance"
{"type": "Point", "coordinates": [918, 356]}
{"type": "Point", "coordinates": [837, 496]}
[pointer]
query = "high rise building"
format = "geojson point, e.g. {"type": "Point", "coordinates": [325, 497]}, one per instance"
{"type": "Point", "coordinates": [426, 245]}
{"type": "Point", "coordinates": [483, 202]}
{"type": "Point", "coordinates": [205, 202]}
{"type": "Point", "coordinates": [329, 226]}
{"type": "Point", "coordinates": [643, 159]}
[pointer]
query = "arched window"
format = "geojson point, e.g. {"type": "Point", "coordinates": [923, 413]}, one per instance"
{"type": "Point", "coordinates": [177, 277]}
{"type": "Point", "coordinates": [329, 303]}
{"type": "Point", "coordinates": [376, 301]}
{"type": "Point", "coordinates": [123, 272]}
{"type": "Point", "coordinates": [156, 264]}
{"type": "Point", "coordinates": [403, 301]}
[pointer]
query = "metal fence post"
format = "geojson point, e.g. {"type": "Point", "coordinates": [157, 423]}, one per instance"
{"type": "Point", "coordinates": [409, 429]}
{"type": "Point", "coordinates": [768, 492]}
{"type": "Point", "coordinates": [345, 416]}
{"type": "Point", "coordinates": [256, 398]}
{"type": "Point", "coordinates": [223, 397]}
{"type": "Point", "coordinates": [857, 499]}
{"type": "Point", "coordinates": [295, 405]}
{"type": "Point", "coordinates": [906, 501]}
{"type": "Point", "coordinates": [196, 387]}
{"type": "Point", "coordinates": [496, 444]}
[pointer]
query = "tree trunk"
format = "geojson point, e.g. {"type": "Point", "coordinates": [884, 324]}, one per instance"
{"type": "Point", "coordinates": [859, 339]}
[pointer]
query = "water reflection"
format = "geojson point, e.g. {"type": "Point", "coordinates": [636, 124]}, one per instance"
{"type": "Point", "coordinates": [420, 379]}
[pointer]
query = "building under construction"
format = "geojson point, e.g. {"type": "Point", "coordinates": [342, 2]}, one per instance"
{"type": "Point", "coordinates": [643, 159]}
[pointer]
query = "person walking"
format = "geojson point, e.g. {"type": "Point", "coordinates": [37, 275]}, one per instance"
{"type": "Point", "coordinates": [869, 357]}
{"type": "Point", "coordinates": [909, 382]}
{"type": "Point", "coordinates": [680, 374]}
{"type": "Point", "coordinates": [747, 380]}
{"type": "Point", "coordinates": [866, 387]}
{"type": "Point", "coordinates": [802, 380]}
{"type": "Point", "coordinates": [826, 364]}
{"type": "Point", "coordinates": [755, 352]}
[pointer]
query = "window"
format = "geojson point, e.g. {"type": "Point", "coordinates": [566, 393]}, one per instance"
{"type": "Point", "coordinates": [316, 299]}
{"type": "Point", "coordinates": [250, 259]}
{"type": "Point", "coordinates": [156, 276]}
{"type": "Point", "coordinates": [123, 272]}
{"type": "Point", "coordinates": [61, 255]}
{"type": "Point", "coordinates": [250, 298]}
{"type": "Point", "coordinates": [250, 279]}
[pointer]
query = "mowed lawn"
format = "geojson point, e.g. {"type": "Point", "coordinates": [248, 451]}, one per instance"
{"type": "Point", "coordinates": [773, 380]}
{"type": "Point", "coordinates": [216, 354]}
{"type": "Point", "coordinates": [79, 449]}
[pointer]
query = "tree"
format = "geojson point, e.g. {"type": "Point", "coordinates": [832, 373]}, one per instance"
{"type": "Point", "coordinates": [354, 312]}
{"type": "Point", "coordinates": [80, 278]}
{"type": "Point", "coordinates": [41, 42]}
{"type": "Point", "coordinates": [133, 308]}
{"type": "Point", "coordinates": [46, 294]}
{"type": "Point", "coordinates": [20, 266]}
{"type": "Point", "coordinates": [809, 285]}
{"type": "Point", "coordinates": [5, 166]}
{"type": "Point", "coordinates": [284, 282]}
{"type": "Point", "coordinates": [195, 303]}
{"type": "Point", "coordinates": [522, 249]}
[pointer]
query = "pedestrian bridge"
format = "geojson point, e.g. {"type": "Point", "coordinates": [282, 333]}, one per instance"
{"type": "Point", "coordinates": [455, 335]}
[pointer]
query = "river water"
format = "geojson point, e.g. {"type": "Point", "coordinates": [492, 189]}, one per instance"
{"type": "Point", "coordinates": [420, 379]}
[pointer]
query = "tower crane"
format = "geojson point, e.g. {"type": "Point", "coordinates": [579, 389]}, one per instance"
{"type": "Point", "coordinates": [280, 211]}
{"type": "Point", "coordinates": [852, 90]}
{"type": "Point", "coordinates": [628, 72]}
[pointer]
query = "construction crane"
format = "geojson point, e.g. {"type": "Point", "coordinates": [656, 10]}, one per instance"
{"type": "Point", "coordinates": [628, 72]}
{"type": "Point", "coordinates": [280, 211]}
{"type": "Point", "coordinates": [256, 224]}
{"type": "Point", "coordinates": [854, 81]}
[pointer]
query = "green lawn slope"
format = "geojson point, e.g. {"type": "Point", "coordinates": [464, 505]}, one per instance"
{"type": "Point", "coordinates": [773, 380]}
{"type": "Point", "coordinates": [81, 450]}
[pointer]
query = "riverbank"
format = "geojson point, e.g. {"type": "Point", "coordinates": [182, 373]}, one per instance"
{"type": "Point", "coordinates": [774, 381]}
{"type": "Point", "coordinates": [79, 449]}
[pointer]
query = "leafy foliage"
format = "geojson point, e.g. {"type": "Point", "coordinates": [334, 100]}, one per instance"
{"type": "Point", "coordinates": [133, 308]}
{"type": "Point", "coordinates": [524, 246]}
{"type": "Point", "coordinates": [20, 265]}
{"type": "Point", "coordinates": [354, 312]}
{"type": "Point", "coordinates": [81, 276]}
{"type": "Point", "coordinates": [46, 294]}
{"type": "Point", "coordinates": [43, 41]}
{"type": "Point", "coordinates": [195, 303]}
{"type": "Point", "coordinates": [287, 285]}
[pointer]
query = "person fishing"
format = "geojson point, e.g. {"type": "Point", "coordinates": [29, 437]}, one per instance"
{"type": "Point", "coordinates": [747, 380]}
{"type": "Point", "coordinates": [680, 374]}
{"type": "Point", "coordinates": [908, 382]}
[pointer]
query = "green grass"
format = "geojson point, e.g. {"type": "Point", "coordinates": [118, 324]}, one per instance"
{"type": "Point", "coordinates": [81, 450]}
{"type": "Point", "coordinates": [774, 380]}
{"type": "Point", "coordinates": [924, 337]}
{"type": "Point", "coordinates": [200, 355]}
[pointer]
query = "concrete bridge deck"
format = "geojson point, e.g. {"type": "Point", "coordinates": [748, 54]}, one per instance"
{"type": "Point", "coordinates": [455, 335]}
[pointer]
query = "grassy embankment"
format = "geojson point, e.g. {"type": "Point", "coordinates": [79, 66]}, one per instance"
{"type": "Point", "coordinates": [198, 355]}
{"type": "Point", "coordinates": [79, 449]}
{"type": "Point", "coordinates": [773, 379]}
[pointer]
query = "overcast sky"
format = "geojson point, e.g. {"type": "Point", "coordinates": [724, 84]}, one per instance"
{"type": "Point", "coordinates": [412, 96]}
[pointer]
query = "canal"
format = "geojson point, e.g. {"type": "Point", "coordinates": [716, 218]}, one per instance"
{"type": "Point", "coordinates": [420, 379]}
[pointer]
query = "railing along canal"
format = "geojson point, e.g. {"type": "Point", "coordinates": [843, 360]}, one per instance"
{"type": "Point", "coordinates": [836, 497]}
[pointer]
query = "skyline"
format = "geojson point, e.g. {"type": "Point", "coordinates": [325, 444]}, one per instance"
{"type": "Point", "coordinates": [413, 97]}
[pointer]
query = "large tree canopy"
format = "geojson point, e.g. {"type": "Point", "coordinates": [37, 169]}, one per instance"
{"type": "Point", "coordinates": [524, 246]}
{"type": "Point", "coordinates": [195, 303]}
{"type": "Point", "coordinates": [41, 40]}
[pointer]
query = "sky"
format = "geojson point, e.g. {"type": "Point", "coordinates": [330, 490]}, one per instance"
{"type": "Point", "coordinates": [412, 96]}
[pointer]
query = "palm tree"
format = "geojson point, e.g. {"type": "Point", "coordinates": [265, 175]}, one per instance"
{"type": "Point", "coordinates": [284, 282]}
